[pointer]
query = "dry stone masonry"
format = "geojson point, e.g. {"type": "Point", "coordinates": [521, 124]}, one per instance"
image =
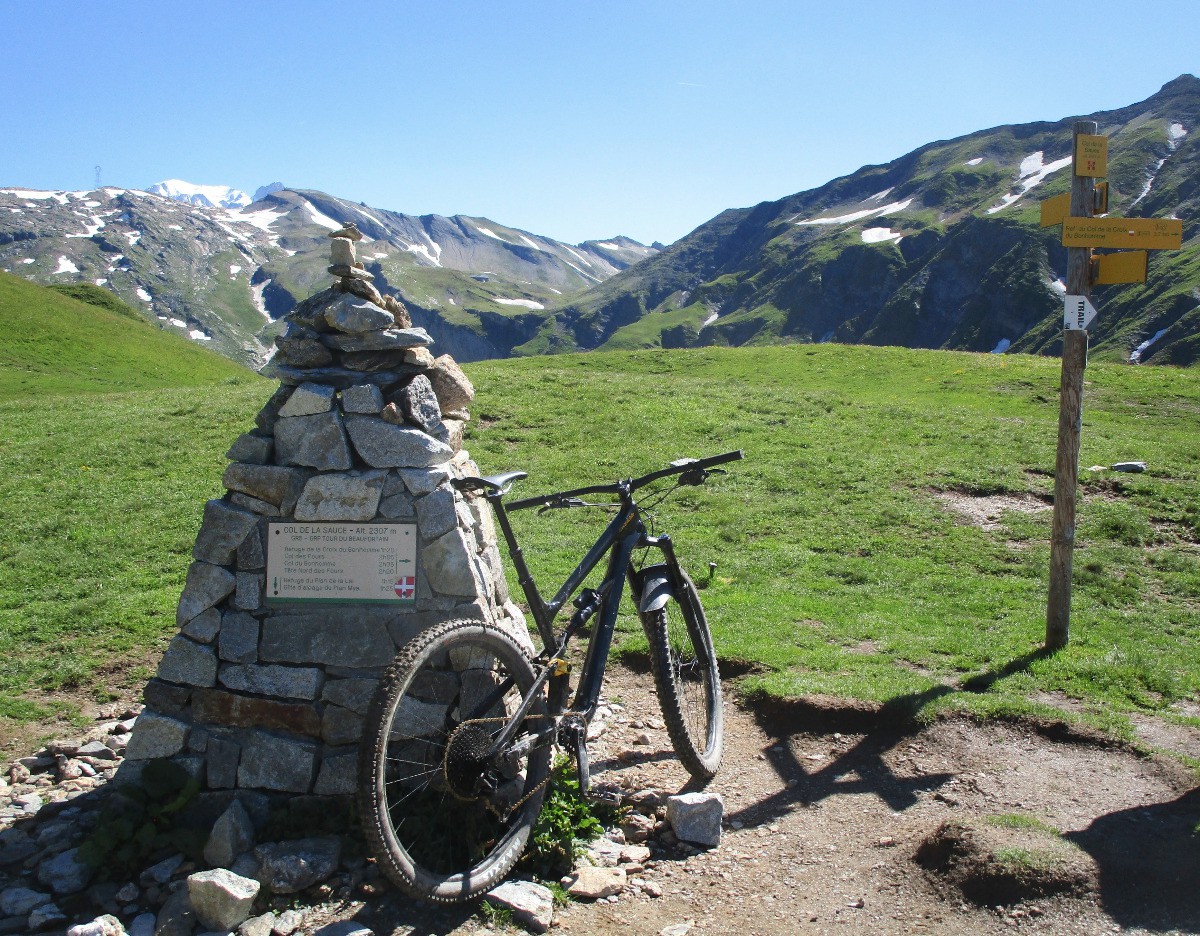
{"type": "Point", "coordinates": [260, 693]}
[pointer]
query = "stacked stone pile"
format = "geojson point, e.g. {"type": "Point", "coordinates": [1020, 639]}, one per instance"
{"type": "Point", "coordinates": [245, 880]}
{"type": "Point", "coordinates": [366, 427]}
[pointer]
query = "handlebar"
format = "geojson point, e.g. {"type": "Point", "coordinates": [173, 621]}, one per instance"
{"type": "Point", "coordinates": [698, 468]}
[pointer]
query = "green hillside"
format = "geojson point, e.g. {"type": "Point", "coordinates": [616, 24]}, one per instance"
{"type": "Point", "coordinates": [939, 248]}
{"type": "Point", "coordinates": [52, 342]}
{"type": "Point", "coordinates": [846, 562]}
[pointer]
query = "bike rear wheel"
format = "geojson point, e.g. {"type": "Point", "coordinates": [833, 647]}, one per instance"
{"type": "Point", "coordinates": [687, 680]}
{"type": "Point", "coordinates": [437, 830]}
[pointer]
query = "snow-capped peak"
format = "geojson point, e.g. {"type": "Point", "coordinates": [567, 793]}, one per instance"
{"type": "Point", "coordinates": [206, 196]}
{"type": "Point", "coordinates": [270, 188]}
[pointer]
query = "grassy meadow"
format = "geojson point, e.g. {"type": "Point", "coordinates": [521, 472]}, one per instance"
{"type": "Point", "coordinates": [840, 569]}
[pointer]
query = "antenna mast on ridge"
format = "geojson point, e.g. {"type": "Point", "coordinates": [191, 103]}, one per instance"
{"type": "Point", "coordinates": [97, 177]}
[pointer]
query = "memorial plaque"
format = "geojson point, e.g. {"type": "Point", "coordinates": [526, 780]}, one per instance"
{"type": "Point", "coordinates": [341, 563]}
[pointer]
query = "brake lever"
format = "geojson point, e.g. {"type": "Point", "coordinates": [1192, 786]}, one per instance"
{"type": "Point", "coordinates": [697, 476]}
{"type": "Point", "coordinates": [562, 503]}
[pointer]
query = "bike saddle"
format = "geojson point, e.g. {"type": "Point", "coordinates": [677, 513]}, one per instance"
{"type": "Point", "coordinates": [495, 484]}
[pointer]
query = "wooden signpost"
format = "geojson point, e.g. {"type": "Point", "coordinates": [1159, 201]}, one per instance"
{"type": "Point", "coordinates": [1081, 232]}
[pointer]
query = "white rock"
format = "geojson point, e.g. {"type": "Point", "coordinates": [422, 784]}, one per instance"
{"type": "Point", "coordinates": [221, 899]}
{"type": "Point", "coordinates": [594, 883]}
{"type": "Point", "coordinates": [696, 817]}
{"type": "Point", "coordinates": [532, 905]}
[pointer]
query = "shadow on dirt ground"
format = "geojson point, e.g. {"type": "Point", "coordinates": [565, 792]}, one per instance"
{"type": "Point", "coordinates": [861, 769]}
{"type": "Point", "coordinates": [1149, 863]}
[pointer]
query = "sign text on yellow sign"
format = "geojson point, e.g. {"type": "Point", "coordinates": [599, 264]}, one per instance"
{"type": "Point", "coordinates": [1140, 233]}
{"type": "Point", "coordinates": [1091, 155]}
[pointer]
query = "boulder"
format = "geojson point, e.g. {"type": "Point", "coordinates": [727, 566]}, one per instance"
{"type": "Point", "coordinates": [289, 867]}
{"type": "Point", "coordinates": [532, 905]}
{"type": "Point", "coordinates": [232, 834]}
{"type": "Point", "coordinates": [696, 817]}
{"type": "Point", "coordinates": [221, 898]}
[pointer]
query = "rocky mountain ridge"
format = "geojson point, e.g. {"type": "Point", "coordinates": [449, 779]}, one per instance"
{"type": "Point", "coordinates": [226, 275]}
{"type": "Point", "coordinates": [940, 248]}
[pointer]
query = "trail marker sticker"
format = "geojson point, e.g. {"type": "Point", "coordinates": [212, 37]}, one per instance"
{"type": "Point", "coordinates": [338, 563]}
{"type": "Point", "coordinates": [1078, 313]}
{"type": "Point", "coordinates": [1091, 155]}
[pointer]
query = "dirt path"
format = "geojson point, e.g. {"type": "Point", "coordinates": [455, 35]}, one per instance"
{"type": "Point", "coordinates": [825, 809]}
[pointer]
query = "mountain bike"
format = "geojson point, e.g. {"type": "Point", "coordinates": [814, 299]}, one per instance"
{"type": "Point", "coordinates": [457, 745]}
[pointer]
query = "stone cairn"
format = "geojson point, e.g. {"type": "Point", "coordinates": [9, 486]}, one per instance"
{"type": "Point", "coordinates": [365, 427]}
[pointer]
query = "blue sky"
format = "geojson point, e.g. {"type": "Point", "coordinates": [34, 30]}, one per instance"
{"type": "Point", "coordinates": [574, 120]}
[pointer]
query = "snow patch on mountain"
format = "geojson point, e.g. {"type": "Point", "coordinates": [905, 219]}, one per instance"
{"type": "Point", "coordinates": [322, 219]}
{"type": "Point", "coordinates": [880, 235]}
{"type": "Point", "coordinates": [1175, 133]}
{"type": "Point", "coordinates": [422, 250]}
{"type": "Point", "coordinates": [527, 303]}
{"type": "Point", "coordinates": [1135, 356]}
{"type": "Point", "coordinates": [205, 196]}
{"type": "Point", "coordinates": [65, 266]}
{"type": "Point", "coordinates": [1033, 172]}
{"type": "Point", "coordinates": [888, 209]}
{"type": "Point", "coordinates": [60, 197]}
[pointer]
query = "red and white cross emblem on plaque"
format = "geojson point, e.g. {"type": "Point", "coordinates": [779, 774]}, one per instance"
{"type": "Point", "coordinates": [406, 587]}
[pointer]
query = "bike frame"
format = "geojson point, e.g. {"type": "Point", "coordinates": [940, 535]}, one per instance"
{"type": "Point", "coordinates": [621, 538]}
{"type": "Point", "coordinates": [623, 535]}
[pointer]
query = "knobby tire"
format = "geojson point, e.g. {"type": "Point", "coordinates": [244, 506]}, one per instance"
{"type": "Point", "coordinates": [687, 680]}
{"type": "Point", "coordinates": [432, 837]}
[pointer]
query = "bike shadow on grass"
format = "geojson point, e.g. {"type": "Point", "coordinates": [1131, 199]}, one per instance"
{"type": "Point", "coordinates": [861, 768]}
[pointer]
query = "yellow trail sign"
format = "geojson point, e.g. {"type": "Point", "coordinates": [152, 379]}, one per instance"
{"type": "Point", "coordinates": [1128, 266]}
{"type": "Point", "coordinates": [1141, 233]}
{"type": "Point", "coordinates": [1055, 209]}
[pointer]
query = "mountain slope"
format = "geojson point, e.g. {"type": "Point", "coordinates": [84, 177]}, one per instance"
{"type": "Point", "coordinates": [53, 343]}
{"type": "Point", "coordinates": [940, 248]}
{"type": "Point", "coordinates": [225, 275]}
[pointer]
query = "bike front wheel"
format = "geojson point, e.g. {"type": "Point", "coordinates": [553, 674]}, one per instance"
{"type": "Point", "coordinates": [445, 822]}
{"type": "Point", "coordinates": [687, 680]}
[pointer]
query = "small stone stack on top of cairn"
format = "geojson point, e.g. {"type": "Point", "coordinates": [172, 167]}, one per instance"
{"type": "Point", "coordinates": [268, 693]}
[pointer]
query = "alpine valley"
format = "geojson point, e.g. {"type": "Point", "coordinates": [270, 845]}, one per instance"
{"type": "Point", "coordinates": [940, 248]}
